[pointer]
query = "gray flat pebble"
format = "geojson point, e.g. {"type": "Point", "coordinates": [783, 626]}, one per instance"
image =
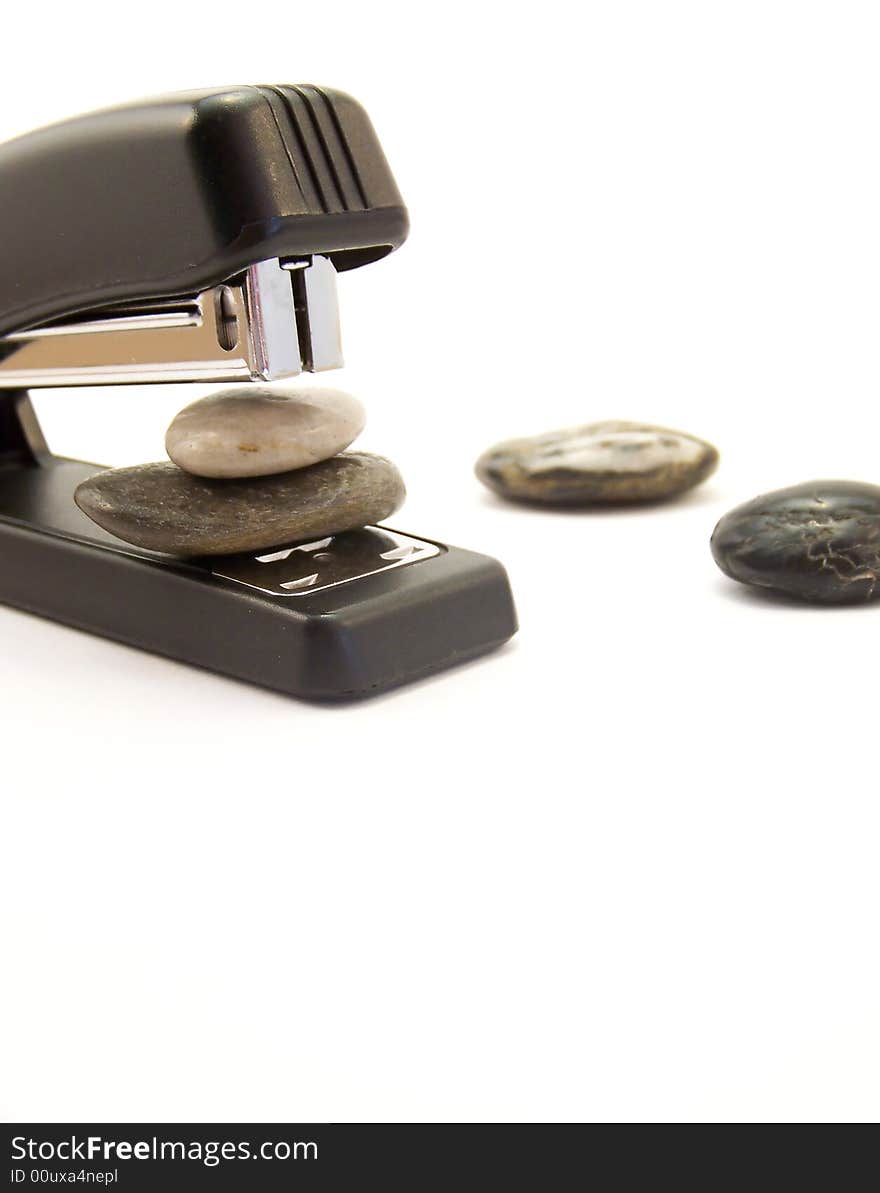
{"type": "Point", "coordinates": [599, 463]}
{"type": "Point", "coordinates": [162, 508]}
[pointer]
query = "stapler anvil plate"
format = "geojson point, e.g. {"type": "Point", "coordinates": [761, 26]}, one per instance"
{"type": "Point", "coordinates": [198, 237]}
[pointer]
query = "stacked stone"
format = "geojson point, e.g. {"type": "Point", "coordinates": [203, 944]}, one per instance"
{"type": "Point", "coordinates": [250, 469]}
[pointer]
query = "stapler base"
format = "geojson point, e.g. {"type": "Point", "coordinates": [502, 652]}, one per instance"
{"type": "Point", "coordinates": [348, 617]}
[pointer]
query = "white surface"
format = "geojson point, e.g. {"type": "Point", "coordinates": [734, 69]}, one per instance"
{"type": "Point", "coordinates": [626, 868]}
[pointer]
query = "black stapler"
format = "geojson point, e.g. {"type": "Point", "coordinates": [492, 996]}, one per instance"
{"type": "Point", "coordinates": [197, 237]}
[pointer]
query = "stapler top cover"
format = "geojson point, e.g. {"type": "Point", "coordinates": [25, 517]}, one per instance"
{"type": "Point", "coordinates": [170, 196]}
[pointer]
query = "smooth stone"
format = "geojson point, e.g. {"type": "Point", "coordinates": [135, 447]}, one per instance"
{"type": "Point", "coordinates": [819, 541]}
{"type": "Point", "coordinates": [255, 431]}
{"type": "Point", "coordinates": [599, 463]}
{"type": "Point", "coordinates": [162, 508]}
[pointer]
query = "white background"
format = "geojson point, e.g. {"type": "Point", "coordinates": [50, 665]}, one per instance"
{"type": "Point", "coordinates": [625, 869]}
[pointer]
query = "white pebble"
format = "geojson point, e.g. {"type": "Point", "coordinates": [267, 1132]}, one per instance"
{"type": "Point", "coordinates": [258, 431]}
